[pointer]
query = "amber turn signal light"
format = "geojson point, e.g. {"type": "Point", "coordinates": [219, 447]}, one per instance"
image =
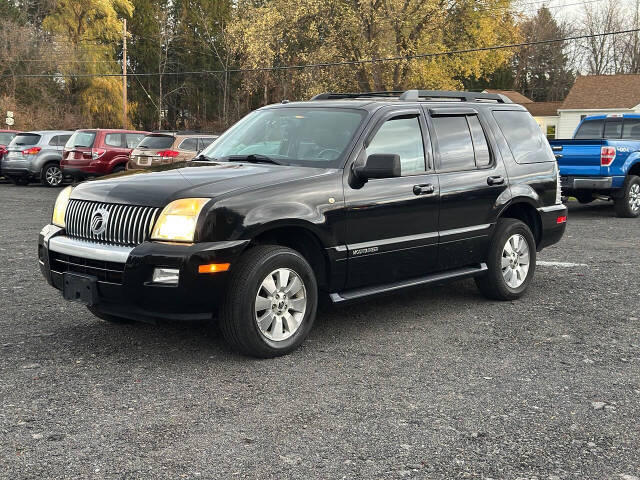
{"type": "Point", "coordinates": [214, 268]}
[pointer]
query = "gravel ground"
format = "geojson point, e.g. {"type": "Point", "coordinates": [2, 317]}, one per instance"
{"type": "Point", "coordinates": [434, 383]}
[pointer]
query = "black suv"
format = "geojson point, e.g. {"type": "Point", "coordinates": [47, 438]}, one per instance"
{"type": "Point", "coordinates": [354, 195]}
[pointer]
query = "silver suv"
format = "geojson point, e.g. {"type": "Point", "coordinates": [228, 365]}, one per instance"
{"type": "Point", "coordinates": [35, 156]}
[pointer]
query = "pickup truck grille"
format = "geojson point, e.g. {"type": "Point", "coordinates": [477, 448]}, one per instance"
{"type": "Point", "coordinates": [125, 224]}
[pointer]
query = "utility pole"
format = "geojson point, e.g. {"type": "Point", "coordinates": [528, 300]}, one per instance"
{"type": "Point", "coordinates": [124, 73]}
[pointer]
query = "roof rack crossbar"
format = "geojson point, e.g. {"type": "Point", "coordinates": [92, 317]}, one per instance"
{"type": "Point", "coordinates": [419, 95]}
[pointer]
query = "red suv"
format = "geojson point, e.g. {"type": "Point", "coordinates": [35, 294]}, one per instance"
{"type": "Point", "coordinates": [91, 153]}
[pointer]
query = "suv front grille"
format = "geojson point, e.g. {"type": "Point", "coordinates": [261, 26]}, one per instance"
{"type": "Point", "coordinates": [110, 272]}
{"type": "Point", "coordinates": [126, 224]}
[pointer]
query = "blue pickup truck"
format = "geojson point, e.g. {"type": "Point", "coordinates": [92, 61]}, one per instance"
{"type": "Point", "coordinates": [603, 161]}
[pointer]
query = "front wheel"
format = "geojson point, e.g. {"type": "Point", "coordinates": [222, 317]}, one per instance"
{"type": "Point", "coordinates": [271, 302]}
{"type": "Point", "coordinates": [628, 206]}
{"type": "Point", "coordinates": [51, 175]}
{"type": "Point", "coordinates": [511, 262]}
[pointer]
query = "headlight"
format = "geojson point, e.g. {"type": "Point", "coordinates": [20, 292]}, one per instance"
{"type": "Point", "coordinates": [178, 220]}
{"type": "Point", "coordinates": [60, 208]}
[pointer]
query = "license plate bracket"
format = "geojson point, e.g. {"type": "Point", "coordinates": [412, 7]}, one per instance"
{"type": "Point", "coordinates": [80, 288]}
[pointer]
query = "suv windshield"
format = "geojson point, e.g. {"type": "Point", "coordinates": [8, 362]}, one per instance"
{"type": "Point", "coordinates": [156, 142]}
{"type": "Point", "coordinates": [313, 137]}
{"type": "Point", "coordinates": [23, 139]}
{"type": "Point", "coordinates": [81, 139]}
{"type": "Point", "coordinates": [6, 137]}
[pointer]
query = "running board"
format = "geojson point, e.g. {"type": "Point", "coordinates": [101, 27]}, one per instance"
{"type": "Point", "coordinates": [390, 287]}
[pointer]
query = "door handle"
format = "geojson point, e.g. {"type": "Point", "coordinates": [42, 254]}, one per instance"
{"type": "Point", "coordinates": [426, 189]}
{"type": "Point", "coordinates": [495, 180]}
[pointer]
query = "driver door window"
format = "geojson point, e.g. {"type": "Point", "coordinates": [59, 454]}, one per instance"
{"type": "Point", "coordinates": [401, 136]}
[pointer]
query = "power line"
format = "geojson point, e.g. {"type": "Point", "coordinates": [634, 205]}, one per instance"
{"type": "Point", "coordinates": [336, 63]}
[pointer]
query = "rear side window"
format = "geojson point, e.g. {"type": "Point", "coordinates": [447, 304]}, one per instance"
{"type": "Point", "coordinates": [613, 128]}
{"type": "Point", "coordinates": [55, 141]}
{"type": "Point", "coordinates": [631, 128]}
{"type": "Point", "coordinates": [113, 139]}
{"type": "Point", "coordinates": [401, 136]}
{"type": "Point", "coordinates": [155, 142]}
{"type": "Point", "coordinates": [524, 137]}
{"type": "Point", "coordinates": [81, 139]}
{"type": "Point", "coordinates": [6, 137]}
{"type": "Point", "coordinates": [63, 140]}
{"type": "Point", "coordinates": [205, 142]}
{"type": "Point", "coordinates": [189, 144]}
{"type": "Point", "coordinates": [23, 139]}
{"type": "Point", "coordinates": [454, 143]}
{"type": "Point", "coordinates": [590, 130]}
{"type": "Point", "coordinates": [133, 139]}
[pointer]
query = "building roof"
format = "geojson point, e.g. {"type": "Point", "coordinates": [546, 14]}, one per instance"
{"type": "Point", "coordinates": [603, 92]}
{"type": "Point", "coordinates": [515, 97]}
{"type": "Point", "coordinates": [543, 109]}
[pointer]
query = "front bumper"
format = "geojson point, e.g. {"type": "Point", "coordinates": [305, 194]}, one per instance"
{"type": "Point", "coordinates": [552, 227]}
{"type": "Point", "coordinates": [125, 287]}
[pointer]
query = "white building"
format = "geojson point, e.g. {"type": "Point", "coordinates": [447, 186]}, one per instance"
{"type": "Point", "coordinates": [596, 95]}
{"type": "Point", "coordinates": [590, 95]}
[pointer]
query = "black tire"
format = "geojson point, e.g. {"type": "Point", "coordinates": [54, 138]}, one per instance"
{"type": "Point", "coordinates": [237, 316]}
{"type": "Point", "coordinates": [493, 284]}
{"type": "Point", "coordinates": [630, 191]}
{"type": "Point", "coordinates": [118, 169]}
{"type": "Point", "coordinates": [51, 175]}
{"type": "Point", "coordinates": [109, 318]}
{"type": "Point", "coordinates": [584, 197]}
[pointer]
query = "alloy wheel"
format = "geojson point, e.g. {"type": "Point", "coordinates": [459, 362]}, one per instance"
{"type": "Point", "coordinates": [280, 304]}
{"type": "Point", "coordinates": [515, 260]}
{"type": "Point", "coordinates": [634, 197]}
{"type": "Point", "coordinates": [53, 176]}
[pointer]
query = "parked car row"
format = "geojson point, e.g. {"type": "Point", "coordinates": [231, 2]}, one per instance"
{"type": "Point", "coordinates": [51, 156]}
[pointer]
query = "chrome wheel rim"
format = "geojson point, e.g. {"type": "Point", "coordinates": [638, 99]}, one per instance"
{"type": "Point", "coordinates": [280, 304]}
{"type": "Point", "coordinates": [634, 197]}
{"type": "Point", "coordinates": [515, 260]}
{"type": "Point", "coordinates": [53, 176]}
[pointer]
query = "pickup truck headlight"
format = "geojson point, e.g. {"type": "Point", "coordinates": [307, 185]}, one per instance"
{"type": "Point", "coordinates": [178, 220]}
{"type": "Point", "coordinates": [60, 207]}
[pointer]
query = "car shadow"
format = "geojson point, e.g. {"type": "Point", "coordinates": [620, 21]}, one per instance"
{"type": "Point", "coordinates": [197, 342]}
{"type": "Point", "coordinates": [597, 208]}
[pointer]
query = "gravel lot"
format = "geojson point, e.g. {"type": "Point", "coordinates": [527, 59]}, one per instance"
{"type": "Point", "coordinates": [433, 383]}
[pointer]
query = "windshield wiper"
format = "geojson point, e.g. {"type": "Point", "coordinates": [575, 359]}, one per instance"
{"type": "Point", "coordinates": [253, 158]}
{"type": "Point", "coordinates": [206, 158]}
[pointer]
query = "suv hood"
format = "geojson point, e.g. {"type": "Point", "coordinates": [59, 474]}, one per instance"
{"type": "Point", "coordinates": [155, 188]}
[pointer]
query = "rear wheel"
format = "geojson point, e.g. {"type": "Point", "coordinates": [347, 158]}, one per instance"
{"type": "Point", "coordinates": [628, 206]}
{"type": "Point", "coordinates": [109, 318]}
{"type": "Point", "coordinates": [118, 169]}
{"type": "Point", "coordinates": [51, 175]}
{"type": "Point", "coordinates": [270, 303]}
{"type": "Point", "coordinates": [511, 262]}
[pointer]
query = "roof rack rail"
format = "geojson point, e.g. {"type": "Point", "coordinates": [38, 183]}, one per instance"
{"type": "Point", "coordinates": [420, 95]}
{"type": "Point", "coordinates": [342, 96]}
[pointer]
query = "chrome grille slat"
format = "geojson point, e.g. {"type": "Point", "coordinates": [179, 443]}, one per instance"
{"type": "Point", "coordinates": [127, 224]}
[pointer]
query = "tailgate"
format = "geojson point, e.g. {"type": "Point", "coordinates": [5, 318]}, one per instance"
{"type": "Point", "coordinates": [578, 157]}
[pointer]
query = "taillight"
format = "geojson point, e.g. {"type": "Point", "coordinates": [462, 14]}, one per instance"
{"type": "Point", "coordinates": [96, 153]}
{"type": "Point", "coordinates": [31, 151]}
{"type": "Point", "coordinates": [607, 156]}
{"type": "Point", "coordinates": [561, 219]}
{"type": "Point", "coordinates": [168, 153]}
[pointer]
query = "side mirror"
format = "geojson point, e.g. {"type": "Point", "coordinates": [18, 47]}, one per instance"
{"type": "Point", "coordinates": [379, 165]}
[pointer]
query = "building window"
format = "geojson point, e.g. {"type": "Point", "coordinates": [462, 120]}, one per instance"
{"type": "Point", "coordinates": [551, 132]}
